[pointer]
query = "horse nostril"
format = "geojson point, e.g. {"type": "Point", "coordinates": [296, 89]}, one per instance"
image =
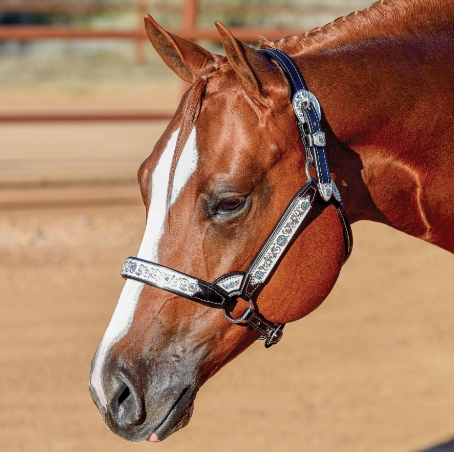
{"type": "Point", "coordinates": [127, 407]}
{"type": "Point", "coordinates": [124, 395]}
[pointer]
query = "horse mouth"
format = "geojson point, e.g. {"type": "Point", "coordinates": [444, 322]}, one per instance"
{"type": "Point", "coordinates": [178, 416]}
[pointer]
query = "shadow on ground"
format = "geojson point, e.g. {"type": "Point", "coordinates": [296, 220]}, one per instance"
{"type": "Point", "coordinates": [445, 447]}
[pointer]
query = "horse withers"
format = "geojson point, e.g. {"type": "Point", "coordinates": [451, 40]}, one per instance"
{"type": "Point", "coordinates": [239, 216]}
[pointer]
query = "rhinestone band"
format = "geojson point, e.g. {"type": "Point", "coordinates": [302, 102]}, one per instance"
{"type": "Point", "coordinates": [280, 239]}
{"type": "Point", "coordinates": [165, 279]}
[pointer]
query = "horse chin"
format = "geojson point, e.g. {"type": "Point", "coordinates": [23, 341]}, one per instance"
{"type": "Point", "coordinates": [176, 420]}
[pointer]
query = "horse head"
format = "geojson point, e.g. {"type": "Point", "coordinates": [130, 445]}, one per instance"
{"type": "Point", "coordinates": [214, 187]}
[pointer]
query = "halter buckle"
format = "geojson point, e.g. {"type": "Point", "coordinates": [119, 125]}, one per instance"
{"type": "Point", "coordinates": [275, 336]}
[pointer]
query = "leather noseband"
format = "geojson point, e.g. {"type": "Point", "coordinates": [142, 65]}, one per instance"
{"type": "Point", "coordinates": [230, 287]}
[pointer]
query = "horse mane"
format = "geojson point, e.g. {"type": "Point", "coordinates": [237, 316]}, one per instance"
{"type": "Point", "coordinates": [384, 18]}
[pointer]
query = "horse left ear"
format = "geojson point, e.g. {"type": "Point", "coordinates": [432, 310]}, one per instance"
{"type": "Point", "coordinates": [246, 62]}
{"type": "Point", "coordinates": [185, 58]}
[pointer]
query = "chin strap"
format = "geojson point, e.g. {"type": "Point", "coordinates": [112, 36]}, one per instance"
{"type": "Point", "coordinates": [227, 289]}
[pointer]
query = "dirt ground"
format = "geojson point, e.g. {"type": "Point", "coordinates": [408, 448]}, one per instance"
{"type": "Point", "coordinates": [371, 370]}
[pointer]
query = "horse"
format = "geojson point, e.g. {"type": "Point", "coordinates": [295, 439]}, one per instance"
{"type": "Point", "coordinates": [229, 168]}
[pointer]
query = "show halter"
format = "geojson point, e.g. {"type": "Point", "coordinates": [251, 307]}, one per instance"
{"type": "Point", "coordinates": [247, 285]}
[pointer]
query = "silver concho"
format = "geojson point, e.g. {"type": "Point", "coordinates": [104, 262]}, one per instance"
{"type": "Point", "coordinates": [319, 139]}
{"type": "Point", "coordinates": [303, 99]}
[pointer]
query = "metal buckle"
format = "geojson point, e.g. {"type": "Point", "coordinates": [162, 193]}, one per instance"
{"type": "Point", "coordinates": [275, 337]}
{"type": "Point", "coordinates": [303, 99]}
{"type": "Point", "coordinates": [244, 317]}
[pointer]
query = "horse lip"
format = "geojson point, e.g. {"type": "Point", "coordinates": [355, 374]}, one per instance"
{"type": "Point", "coordinates": [178, 416]}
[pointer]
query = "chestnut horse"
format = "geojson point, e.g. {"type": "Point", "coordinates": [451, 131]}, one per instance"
{"type": "Point", "coordinates": [231, 160]}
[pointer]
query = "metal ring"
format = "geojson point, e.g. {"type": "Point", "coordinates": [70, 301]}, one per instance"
{"type": "Point", "coordinates": [241, 319]}
{"type": "Point", "coordinates": [308, 173]}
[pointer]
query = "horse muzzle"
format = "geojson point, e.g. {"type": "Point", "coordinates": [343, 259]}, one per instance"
{"type": "Point", "coordinates": [139, 405]}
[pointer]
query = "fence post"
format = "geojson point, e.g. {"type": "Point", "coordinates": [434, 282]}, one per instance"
{"type": "Point", "coordinates": [141, 11]}
{"type": "Point", "coordinates": [190, 14]}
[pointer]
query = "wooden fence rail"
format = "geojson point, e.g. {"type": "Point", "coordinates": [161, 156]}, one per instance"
{"type": "Point", "coordinates": [189, 30]}
{"type": "Point", "coordinates": [31, 33]}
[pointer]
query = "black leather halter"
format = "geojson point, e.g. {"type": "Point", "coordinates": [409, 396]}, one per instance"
{"type": "Point", "coordinates": [247, 285]}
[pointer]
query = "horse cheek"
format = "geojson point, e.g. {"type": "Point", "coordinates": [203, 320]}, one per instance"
{"type": "Point", "coordinates": [307, 273]}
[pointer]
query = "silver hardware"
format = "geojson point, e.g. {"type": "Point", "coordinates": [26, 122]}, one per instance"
{"type": "Point", "coordinates": [231, 283]}
{"type": "Point", "coordinates": [319, 139]}
{"type": "Point", "coordinates": [316, 139]}
{"type": "Point", "coordinates": [275, 337]}
{"type": "Point", "coordinates": [244, 317]}
{"type": "Point", "coordinates": [326, 190]}
{"type": "Point", "coordinates": [304, 99]}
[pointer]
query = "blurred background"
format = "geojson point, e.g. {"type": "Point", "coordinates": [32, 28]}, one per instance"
{"type": "Point", "coordinates": [83, 98]}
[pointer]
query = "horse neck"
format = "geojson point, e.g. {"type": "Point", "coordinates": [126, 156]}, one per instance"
{"type": "Point", "coordinates": [387, 104]}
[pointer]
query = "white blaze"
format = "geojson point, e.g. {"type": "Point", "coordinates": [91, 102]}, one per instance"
{"type": "Point", "coordinates": [157, 212]}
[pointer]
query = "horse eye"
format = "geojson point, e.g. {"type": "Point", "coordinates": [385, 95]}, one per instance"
{"type": "Point", "coordinates": [230, 205]}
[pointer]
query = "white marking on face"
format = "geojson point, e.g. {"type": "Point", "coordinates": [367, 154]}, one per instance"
{"type": "Point", "coordinates": [124, 312]}
{"type": "Point", "coordinates": [118, 327]}
{"type": "Point", "coordinates": [160, 182]}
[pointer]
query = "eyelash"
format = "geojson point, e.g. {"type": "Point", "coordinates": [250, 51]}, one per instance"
{"type": "Point", "coordinates": [230, 205]}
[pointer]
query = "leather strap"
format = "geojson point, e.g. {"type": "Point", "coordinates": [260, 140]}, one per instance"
{"type": "Point", "coordinates": [289, 67]}
{"type": "Point", "coordinates": [308, 112]}
{"type": "Point", "coordinates": [174, 281]}
{"type": "Point", "coordinates": [346, 229]}
{"type": "Point", "coordinates": [271, 333]}
{"type": "Point", "coordinates": [279, 241]}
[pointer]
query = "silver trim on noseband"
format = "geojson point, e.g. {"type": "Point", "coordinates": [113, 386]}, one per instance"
{"type": "Point", "coordinates": [159, 276]}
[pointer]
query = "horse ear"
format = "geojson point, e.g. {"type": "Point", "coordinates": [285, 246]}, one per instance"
{"type": "Point", "coordinates": [245, 61]}
{"type": "Point", "coordinates": [184, 57]}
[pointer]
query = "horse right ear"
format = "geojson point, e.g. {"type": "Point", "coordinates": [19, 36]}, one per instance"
{"type": "Point", "coordinates": [246, 62]}
{"type": "Point", "coordinates": [184, 57]}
